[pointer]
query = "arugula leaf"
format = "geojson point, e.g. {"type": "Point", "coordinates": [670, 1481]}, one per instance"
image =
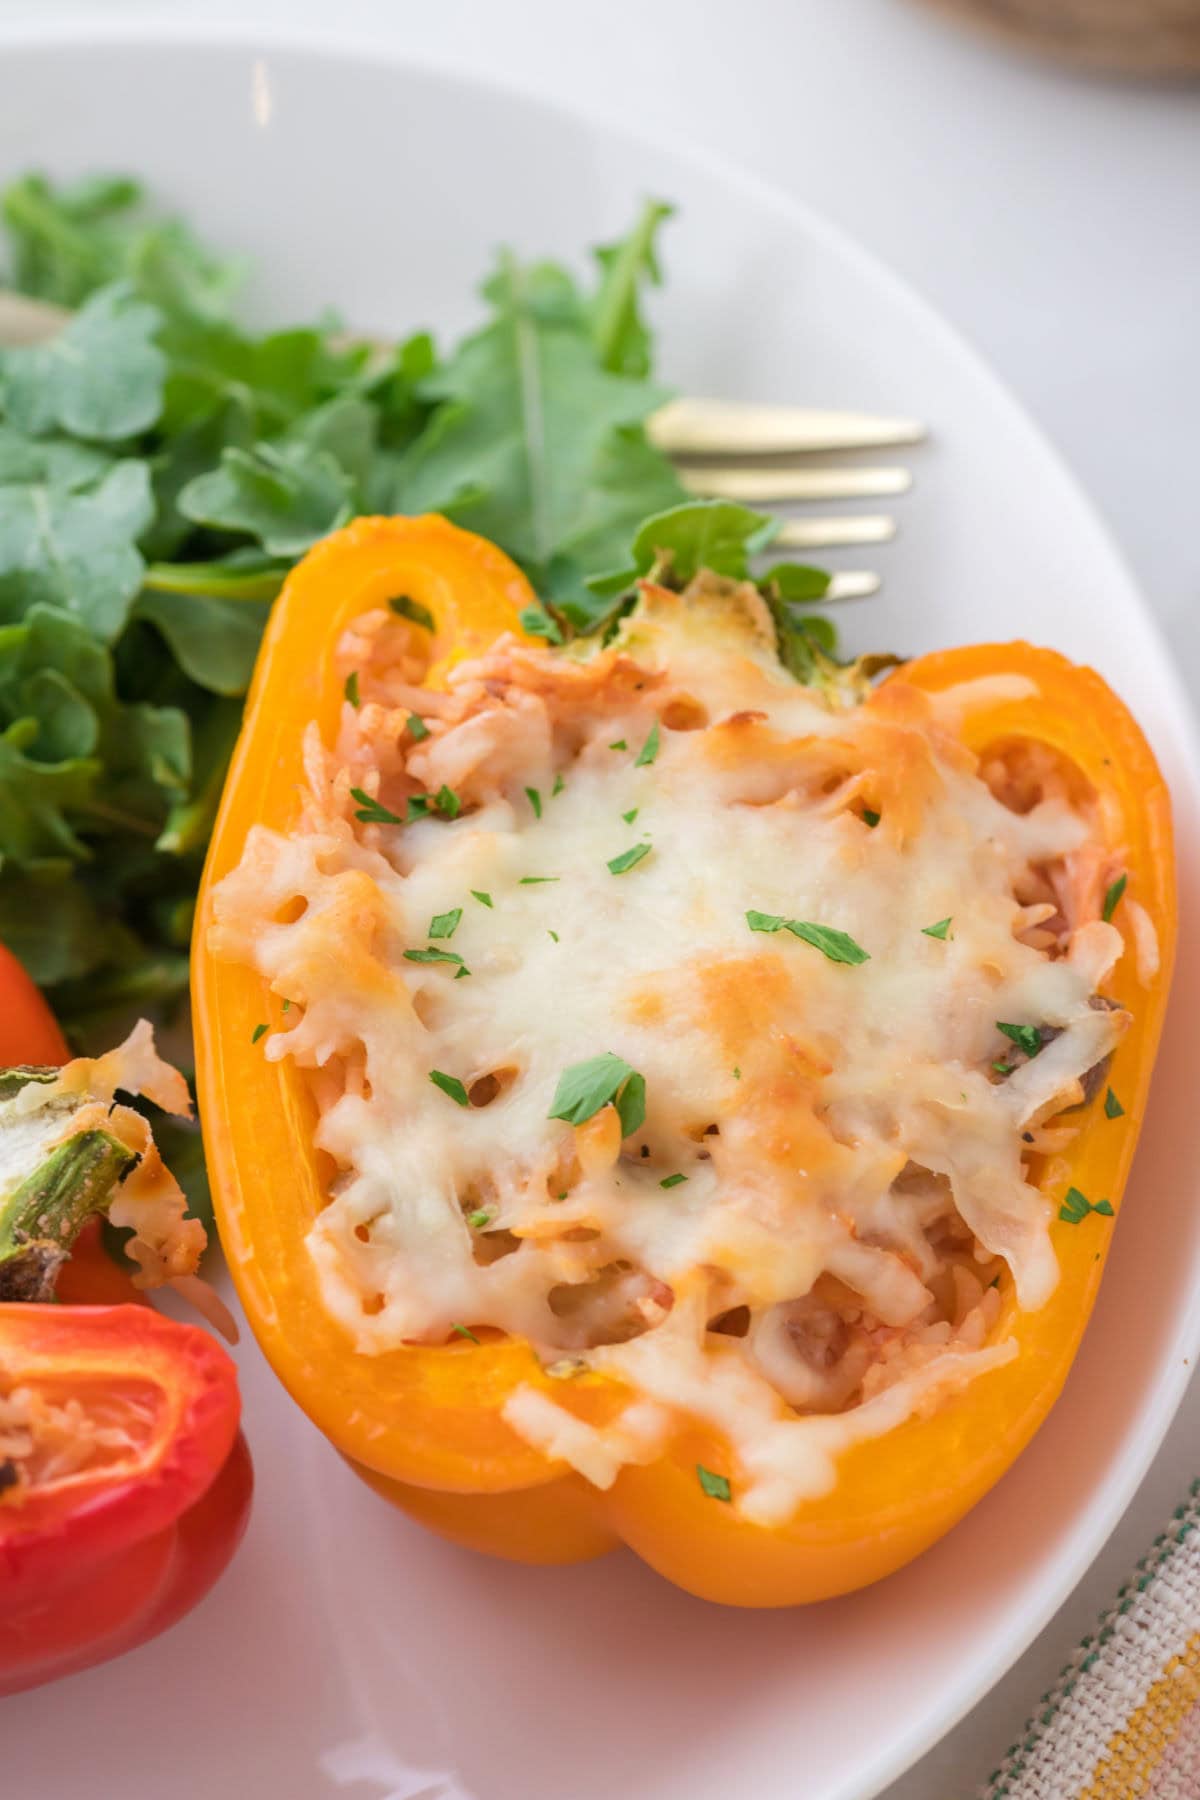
{"type": "Point", "coordinates": [214, 641]}
{"type": "Point", "coordinates": [702, 534]}
{"type": "Point", "coordinates": [527, 413]}
{"type": "Point", "coordinates": [75, 550]}
{"type": "Point", "coordinates": [618, 330]}
{"type": "Point", "coordinates": [54, 462]}
{"type": "Point", "coordinates": [287, 497]}
{"type": "Point", "coordinates": [101, 377]}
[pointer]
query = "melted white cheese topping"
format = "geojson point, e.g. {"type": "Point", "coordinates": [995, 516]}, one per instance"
{"type": "Point", "coordinates": [859, 1122]}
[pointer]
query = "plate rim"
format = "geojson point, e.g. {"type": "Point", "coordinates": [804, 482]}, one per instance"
{"type": "Point", "coordinates": [367, 46]}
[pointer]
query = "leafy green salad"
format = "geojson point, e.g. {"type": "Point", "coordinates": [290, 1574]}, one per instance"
{"type": "Point", "coordinates": [162, 468]}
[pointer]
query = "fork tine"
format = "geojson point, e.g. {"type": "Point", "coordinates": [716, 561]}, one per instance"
{"type": "Point", "coordinates": [852, 584]}
{"type": "Point", "coordinates": [742, 483]}
{"type": "Point", "coordinates": [689, 427]}
{"type": "Point", "coordinates": [843, 528]}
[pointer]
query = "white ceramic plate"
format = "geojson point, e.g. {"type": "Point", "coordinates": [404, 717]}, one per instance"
{"type": "Point", "coordinates": [347, 1651]}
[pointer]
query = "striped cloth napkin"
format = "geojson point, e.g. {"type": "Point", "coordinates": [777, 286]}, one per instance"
{"type": "Point", "coordinates": [1123, 1720]}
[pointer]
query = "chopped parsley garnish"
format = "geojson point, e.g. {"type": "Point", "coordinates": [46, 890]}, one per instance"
{"type": "Point", "coordinates": [619, 745]}
{"type": "Point", "coordinates": [536, 880]}
{"type": "Point", "coordinates": [715, 1486]}
{"type": "Point", "coordinates": [649, 749]}
{"type": "Point", "coordinates": [259, 1031]}
{"type": "Point", "coordinates": [417, 728]}
{"type": "Point", "coordinates": [630, 816]}
{"type": "Point", "coordinates": [552, 934]}
{"type": "Point", "coordinates": [1003, 1068]}
{"type": "Point", "coordinates": [465, 1331]}
{"type": "Point", "coordinates": [1113, 896]}
{"type": "Point", "coordinates": [483, 899]}
{"type": "Point", "coordinates": [587, 1086]}
{"type": "Point", "coordinates": [450, 1084]}
{"type": "Point", "coordinates": [477, 1220]}
{"type": "Point", "coordinates": [447, 802]}
{"type": "Point", "coordinates": [838, 946]}
{"type": "Point", "coordinates": [870, 817]}
{"type": "Point", "coordinates": [628, 859]}
{"type": "Point", "coordinates": [940, 930]}
{"type": "Point", "coordinates": [559, 785]}
{"type": "Point", "coordinates": [535, 800]}
{"type": "Point", "coordinates": [444, 925]}
{"type": "Point", "coordinates": [1077, 1206]}
{"type": "Point", "coordinates": [737, 1074]}
{"type": "Point", "coordinates": [419, 807]}
{"type": "Point", "coordinates": [761, 921]}
{"type": "Point", "coordinates": [435, 956]}
{"type": "Point", "coordinates": [670, 1181]}
{"type": "Point", "coordinates": [539, 623]}
{"type": "Point", "coordinates": [371, 812]}
{"type": "Point", "coordinates": [1026, 1037]}
{"type": "Point", "coordinates": [412, 609]}
{"type": "Point", "coordinates": [1112, 1106]}
{"type": "Point", "coordinates": [287, 1005]}
{"type": "Point", "coordinates": [351, 688]}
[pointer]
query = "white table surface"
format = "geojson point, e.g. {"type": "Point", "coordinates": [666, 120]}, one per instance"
{"type": "Point", "coordinates": [1052, 219]}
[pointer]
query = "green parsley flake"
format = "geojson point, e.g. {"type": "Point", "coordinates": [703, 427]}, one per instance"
{"type": "Point", "coordinates": [737, 1074]}
{"type": "Point", "coordinates": [435, 956]}
{"type": "Point", "coordinates": [444, 925]}
{"type": "Point", "coordinates": [630, 816]}
{"type": "Point", "coordinates": [670, 1181]}
{"type": "Point", "coordinates": [536, 880]}
{"type": "Point", "coordinates": [535, 800]}
{"type": "Point", "coordinates": [761, 921]}
{"type": "Point", "coordinates": [619, 745]}
{"type": "Point", "coordinates": [552, 934]}
{"type": "Point", "coordinates": [287, 1006]}
{"type": "Point", "coordinates": [587, 1086]}
{"type": "Point", "coordinates": [419, 807]}
{"type": "Point", "coordinates": [477, 1220]}
{"type": "Point", "coordinates": [448, 802]}
{"type": "Point", "coordinates": [417, 728]}
{"type": "Point", "coordinates": [838, 946]}
{"type": "Point", "coordinates": [466, 1332]}
{"type": "Point", "coordinates": [715, 1486]}
{"type": "Point", "coordinates": [371, 812]}
{"type": "Point", "coordinates": [1112, 1106]}
{"type": "Point", "coordinates": [259, 1031]}
{"type": "Point", "coordinates": [1076, 1207]}
{"type": "Point", "coordinates": [537, 622]}
{"type": "Point", "coordinates": [412, 609]}
{"type": "Point", "coordinates": [940, 930]}
{"type": "Point", "coordinates": [649, 749]}
{"type": "Point", "coordinates": [628, 859]}
{"type": "Point", "coordinates": [1112, 897]}
{"type": "Point", "coordinates": [483, 899]}
{"type": "Point", "coordinates": [870, 817]}
{"type": "Point", "coordinates": [351, 688]}
{"type": "Point", "coordinates": [559, 785]}
{"type": "Point", "coordinates": [450, 1084]}
{"type": "Point", "coordinates": [1003, 1068]}
{"type": "Point", "coordinates": [1025, 1037]}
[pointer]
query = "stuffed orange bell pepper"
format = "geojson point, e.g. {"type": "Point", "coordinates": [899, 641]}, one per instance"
{"type": "Point", "coordinates": [124, 1482]}
{"type": "Point", "coordinates": [650, 1100]}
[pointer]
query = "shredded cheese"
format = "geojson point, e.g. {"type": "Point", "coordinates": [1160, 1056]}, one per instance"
{"type": "Point", "coordinates": [852, 1131]}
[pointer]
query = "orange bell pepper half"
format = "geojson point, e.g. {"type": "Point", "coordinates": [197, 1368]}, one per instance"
{"type": "Point", "coordinates": [125, 1484]}
{"type": "Point", "coordinates": [423, 1423]}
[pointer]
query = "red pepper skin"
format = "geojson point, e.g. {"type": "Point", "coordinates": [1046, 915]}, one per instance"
{"type": "Point", "coordinates": [98, 1562]}
{"type": "Point", "coordinates": [29, 1032]}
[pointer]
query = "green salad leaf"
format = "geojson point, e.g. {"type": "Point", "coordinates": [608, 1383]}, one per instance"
{"type": "Point", "coordinates": [101, 377]}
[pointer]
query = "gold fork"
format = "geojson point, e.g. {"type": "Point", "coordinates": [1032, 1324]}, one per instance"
{"type": "Point", "coordinates": [723, 450]}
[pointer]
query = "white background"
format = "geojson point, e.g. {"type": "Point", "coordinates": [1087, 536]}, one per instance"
{"type": "Point", "coordinates": [1051, 218]}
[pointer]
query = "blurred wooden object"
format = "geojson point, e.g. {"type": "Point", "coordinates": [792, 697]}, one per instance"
{"type": "Point", "coordinates": [1139, 38]}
